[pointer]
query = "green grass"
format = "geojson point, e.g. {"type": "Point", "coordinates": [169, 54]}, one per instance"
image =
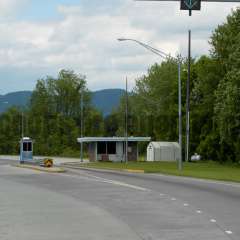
{"type": "Point", "coordinates": [207, 170]}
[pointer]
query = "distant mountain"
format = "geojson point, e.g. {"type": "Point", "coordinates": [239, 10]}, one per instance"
{"type": "Point", "coordinates": [104, 100]}
{"type": "Point", "coordinates": [14, 99]}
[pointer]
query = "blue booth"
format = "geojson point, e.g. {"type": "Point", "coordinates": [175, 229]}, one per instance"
{"type": "Point", "coordinates": [26, 150]}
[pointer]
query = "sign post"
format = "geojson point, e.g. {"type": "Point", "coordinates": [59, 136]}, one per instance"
{"type": "Point", "coordinates": [190, 5]}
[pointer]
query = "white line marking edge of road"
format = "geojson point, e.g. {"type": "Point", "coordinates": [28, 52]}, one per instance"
{"type": "Point", "coordinates": [110, 181]}
{"type": "Point", "coordinates": [231, 184]}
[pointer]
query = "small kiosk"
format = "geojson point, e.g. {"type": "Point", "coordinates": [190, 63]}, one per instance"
{"type": "Point", "coordinates": [26, 150]}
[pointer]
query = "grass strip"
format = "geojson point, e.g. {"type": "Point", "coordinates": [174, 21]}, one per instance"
{"type": "Point", "coordinates": [205, 170]}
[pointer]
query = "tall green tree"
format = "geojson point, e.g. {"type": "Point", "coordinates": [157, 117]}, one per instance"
{"type": "Point", "coordinates": [55, 114]}
{"type": "Point", "coordinates": [215, 96]}
{"type": "Point", "coordinates": [226, 50]}
{"type": "Point", "coordinates": [10, 131]}
{"type": "Point", "coordinates": [153, 104]}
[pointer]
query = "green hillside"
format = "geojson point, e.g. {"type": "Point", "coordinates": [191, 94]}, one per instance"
{"type": "Point", "coordinates": [104, 100]}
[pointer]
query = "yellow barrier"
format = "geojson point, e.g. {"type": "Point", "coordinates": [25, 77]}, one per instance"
{"type": "Point", "coordinates": [48, 162]}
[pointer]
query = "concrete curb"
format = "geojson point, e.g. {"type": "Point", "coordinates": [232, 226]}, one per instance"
{"type": "Point", "coordinates": [95, 169]}
{"type": "Point", "coordinates": [41, 169]}
{"type": "Point", "coordinates": [134, 170]}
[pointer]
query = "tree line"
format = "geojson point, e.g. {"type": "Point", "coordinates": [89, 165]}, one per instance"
{"type": "Point", "coordinates": [214, 101]}
{"type": "Point", "coordinates": [53, 117]}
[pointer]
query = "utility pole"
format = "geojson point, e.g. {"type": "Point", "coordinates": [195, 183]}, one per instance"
{"type": "Point", "coordinates": [180, 113]}
{"type": "Point", "coordinates": [126, 124]}
{"type": "Point", "coordinates": [26, 127]}
{"type": "Point", "coordinates": [22, 126]}
{"type": "Point", "coordinates": [82, 125]}
{"type": "Point", "coordinates": [188, 98]}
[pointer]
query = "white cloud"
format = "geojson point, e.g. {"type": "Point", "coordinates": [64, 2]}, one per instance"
{"type": "Point", "coordinates": [87, 43]}
{"type": "Point", "coordinates": [8, 7]}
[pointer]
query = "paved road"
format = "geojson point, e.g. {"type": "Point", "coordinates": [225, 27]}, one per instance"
{"type": "Point", "coordinates": [98, 205]}
{"type": "Point", "coordinates": [218, 201]}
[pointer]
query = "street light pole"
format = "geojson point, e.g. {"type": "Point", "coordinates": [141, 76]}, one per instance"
{"type": "Point", "coordinates": [165, 56]}
{"type": "Point", "coordinates": [188, 99]}
{"type": "Point", "coordinates": [180, 113]}
{"type": "Point", "coordinates": [126, 124]}
{"type": "Point", "coordinates": [81, 125]}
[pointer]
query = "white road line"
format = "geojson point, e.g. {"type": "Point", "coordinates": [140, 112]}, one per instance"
{"type": "Point", "coordinates": [117, 183]}
{"type": "Point", "coordinates": [124, 185]}
{"type": "Point", "coordinates": [78, 177]}
{"type": "Point", "coordinates": [104, 180]}
{"type": "Point", "coordinates": [207, 181]}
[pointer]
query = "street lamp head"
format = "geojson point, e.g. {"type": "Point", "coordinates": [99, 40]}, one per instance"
{"type": "Point", "coordinates": [121, 39]}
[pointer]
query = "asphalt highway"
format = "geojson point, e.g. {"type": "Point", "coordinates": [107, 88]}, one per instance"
{"type": "Point", "coordinates": [101, 205]}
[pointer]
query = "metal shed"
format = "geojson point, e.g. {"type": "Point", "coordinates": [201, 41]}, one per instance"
{"type": "Point", "coordinates": [163, 151]}
{"type": "Point", "coordinates": [112, 148]}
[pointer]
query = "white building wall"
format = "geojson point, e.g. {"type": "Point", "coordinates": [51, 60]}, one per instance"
{"type": "Point", "coordinates": [163, 151]}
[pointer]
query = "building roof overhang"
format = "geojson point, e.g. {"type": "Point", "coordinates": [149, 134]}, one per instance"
{"type": "Point", "coordinates": [114, 139]}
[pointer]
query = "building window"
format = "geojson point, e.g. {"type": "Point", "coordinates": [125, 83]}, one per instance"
{"type": "Point", "coordinates": [111, 147]}
{"type": "Point", "coordinates": [27, 146]}
{"type": "Point", "coordinates": [101, 148]}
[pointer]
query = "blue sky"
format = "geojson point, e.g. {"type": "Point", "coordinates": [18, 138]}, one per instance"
{"type": "Point", "coordinates": [46, 10]}
{"type": "Point", "coordinates": [38, 38]}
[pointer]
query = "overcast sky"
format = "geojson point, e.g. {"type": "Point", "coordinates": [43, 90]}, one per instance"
{"type": "Point", "coordinates": [40, 37]}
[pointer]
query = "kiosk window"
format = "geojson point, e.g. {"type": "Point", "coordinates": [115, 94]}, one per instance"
{"type": "Point", "coordinates": [111, 147]}
{"type": "Point", "coordinates": [27, 146]}
{"type": "Point", "coordinates": [101, 148]}
{"type": "Point", "coordinates": [30, 146]}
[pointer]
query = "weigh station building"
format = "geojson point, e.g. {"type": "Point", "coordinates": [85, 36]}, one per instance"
{"type": "Point", "coordinates": [112, 148]}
